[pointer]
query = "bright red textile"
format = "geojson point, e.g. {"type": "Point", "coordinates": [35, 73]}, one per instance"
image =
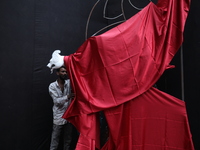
{"type": "Point", "coordinates": [114, 72]}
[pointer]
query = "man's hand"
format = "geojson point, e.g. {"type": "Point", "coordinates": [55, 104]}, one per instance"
{"type": "Point", "coordinates": [71, 96]}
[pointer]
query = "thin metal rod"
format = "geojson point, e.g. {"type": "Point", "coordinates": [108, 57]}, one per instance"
{"type": "Point", "coordinates": [88, 20]}
{"type": "Point", "coordinates": [135, 6]}
{"type": "Point", "coordinates": [182, 74]}
{"type": "Point", "coordinates": [108, 18]}
{"type": "Point", "coordinates": [107, 27]}
{"type": "Point", "coordinates": [104, 12]}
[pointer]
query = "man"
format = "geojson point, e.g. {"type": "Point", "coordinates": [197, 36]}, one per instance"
{"type": "Point", "coordinates": [60, 92]}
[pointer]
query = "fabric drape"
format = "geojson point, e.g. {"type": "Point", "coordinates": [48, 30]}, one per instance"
{"type": "Point", "coordinates": [114, 73]}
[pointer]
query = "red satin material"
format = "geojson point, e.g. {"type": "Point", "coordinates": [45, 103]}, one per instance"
{"type": "Point", "coordinates": [114, 72]}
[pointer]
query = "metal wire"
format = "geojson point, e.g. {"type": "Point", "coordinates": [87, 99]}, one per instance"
{"type": "Point", "coordinates": [109, 18]}
{"type": "Point", "coordinates": [104, 12]}
{"type": "Point", "coordinates": [107, 27]}
{"type": "Point", "coordinates": [182, 74]}
{"type": "Point", "coordinates": [136, 6]}
{"type": "Point", "coordinates": [88, 20]}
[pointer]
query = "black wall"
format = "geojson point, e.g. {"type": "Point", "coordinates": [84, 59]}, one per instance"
{"type": "Point", "coordinates": [192, 70]}
{"type": "Point", "coordinates": [30, 30]}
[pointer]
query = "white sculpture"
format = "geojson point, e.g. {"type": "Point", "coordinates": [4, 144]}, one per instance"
{"type": "Point", "coordinates": [56, 61]}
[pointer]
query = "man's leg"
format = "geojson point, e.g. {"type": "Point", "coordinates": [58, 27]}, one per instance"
{"type": "Point", "coordinates": [67, 135]}
{"type": "Point", "coordinates": [55, 137]}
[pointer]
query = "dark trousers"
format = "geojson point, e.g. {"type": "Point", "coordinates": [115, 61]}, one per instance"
{"type": "Point", "coordinates": [58, 130]}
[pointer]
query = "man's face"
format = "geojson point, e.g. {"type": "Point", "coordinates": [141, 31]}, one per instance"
{"type": "Point", "coordinates": [62, 73]}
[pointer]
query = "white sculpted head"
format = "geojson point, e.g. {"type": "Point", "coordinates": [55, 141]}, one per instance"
{"type": "Point", "coordinates": [56, 61]}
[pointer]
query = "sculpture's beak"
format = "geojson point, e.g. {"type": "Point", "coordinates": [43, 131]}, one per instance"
{"type": "Point", "coordinates": [50, 65]}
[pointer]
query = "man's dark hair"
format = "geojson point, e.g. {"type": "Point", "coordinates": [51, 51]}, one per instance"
{"type": "Point", "coordinates": [57, 70]}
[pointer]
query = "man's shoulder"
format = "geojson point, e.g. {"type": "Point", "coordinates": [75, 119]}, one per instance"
{"type": "Point", "coordinates": [52, 84]}
{"type": "Point", "coordinates": [67, 80]}
{"type": "Point", "coordinates": [67, 83]}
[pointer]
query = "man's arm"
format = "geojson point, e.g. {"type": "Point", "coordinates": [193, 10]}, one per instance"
{"type": "Point", "coordinates": [56, 99]}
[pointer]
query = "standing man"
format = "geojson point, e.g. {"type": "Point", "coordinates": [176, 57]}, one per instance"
{"type": "Point", "coordinates": [60, 91]}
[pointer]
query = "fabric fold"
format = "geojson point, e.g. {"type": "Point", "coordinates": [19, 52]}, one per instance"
{"type": "Point", "coordinates": [114, 73]}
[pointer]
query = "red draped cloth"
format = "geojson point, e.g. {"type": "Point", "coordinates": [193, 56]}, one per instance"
{"type": "Point", "coordinates": [114, 73]}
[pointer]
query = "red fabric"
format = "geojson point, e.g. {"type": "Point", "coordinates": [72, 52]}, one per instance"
{"type": "Point", "coordinates": [114, 72]}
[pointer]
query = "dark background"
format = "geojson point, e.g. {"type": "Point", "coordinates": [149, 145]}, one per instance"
{"type": "Point", "coordinates": [30, 30]}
